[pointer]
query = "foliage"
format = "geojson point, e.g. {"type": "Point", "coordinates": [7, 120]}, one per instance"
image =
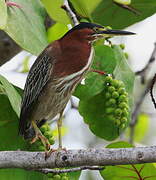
{"type": "Point", "coordinates": [137, 171]}
{"type": "Point", "coordinates": [25, 24]}
{"type": "Point", "coordinates": [108, 13]}
{"type": "Point", "coordinates": [107, 125]}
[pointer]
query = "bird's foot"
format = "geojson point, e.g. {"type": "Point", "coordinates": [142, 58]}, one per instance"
{"type": "Point", "coordinates": [43, 139]}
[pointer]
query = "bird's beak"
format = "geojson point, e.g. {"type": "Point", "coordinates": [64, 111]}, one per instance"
{"type": "Point", "coordinates": [111, 32]}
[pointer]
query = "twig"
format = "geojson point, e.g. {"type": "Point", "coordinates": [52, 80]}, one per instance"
{"type": "Point", "coordinates": [137, 110]}
{"type": "Point", "coordinates": [70, 13]}
{"type": "Point", "coordinates": [143, 72]}
{"type": "Point", "coordinates": [148, 88]}
{"type": "Point", "coordinates": [151, 90]}
{"type": "Point", "coordinates": [58, 171]}
{"type": "Point", "coordinates": [77, 158]}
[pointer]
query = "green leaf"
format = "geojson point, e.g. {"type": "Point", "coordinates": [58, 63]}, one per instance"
{"type": "Point", "coordinates": [13, 95]}
{"type": "Point", "coordinates": [93, 112]}
{"type": "Point", "coordinates": [11, 141]}
{"type": "Point", "coordinates": [26, 25]}
{"type": "Point", "coordinates": [119, 17]}
{"type": "Point", "coordinates": [93, 86]}
{"type": "Point", "coordinates": [120, 144]}
{"type": "Point", "coordinates": [56, 31]}
{"type": "Point", "coordinates": [128, 171]}
{"type": "Point", "coordinates": [93, 104]}
{"type": "Point", "coordinates": [55, 11]}
{"type": "Point", "coordinates": [9, 126]}
{"type": "Point", "coordinates": [85, 8]}
{"type": "Point", "coordinates": [3, 14]}
{"type": "Point", "coordinates": [106, 12]}
{"type": "Point", "coordinates": [122, 71]}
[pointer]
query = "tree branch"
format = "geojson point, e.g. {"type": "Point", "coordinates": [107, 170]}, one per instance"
{"type": "Point", "coordinates": [149, 86]}
{"type": "Point", "coordinates": [58, 171]}
{"type": "Point", "coordinates": [148, 66]}
{"type": "Point", "coordinates": [70, 13]}
{"type": "Point", "coordinates": [77, 158]}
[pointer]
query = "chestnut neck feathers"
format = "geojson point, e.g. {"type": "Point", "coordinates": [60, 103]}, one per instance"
{"type": "Point", "coordinates": [75, 49]}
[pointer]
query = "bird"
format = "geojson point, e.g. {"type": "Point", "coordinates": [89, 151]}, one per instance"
{"type": "Point", "coordinates": [54, 76]}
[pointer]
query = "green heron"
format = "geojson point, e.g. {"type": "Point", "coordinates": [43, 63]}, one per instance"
{"type": "Point", "coordinates": [54, 76]}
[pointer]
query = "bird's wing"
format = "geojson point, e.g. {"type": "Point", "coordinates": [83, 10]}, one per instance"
{"type": "Point", "coordinates": [37, 78]}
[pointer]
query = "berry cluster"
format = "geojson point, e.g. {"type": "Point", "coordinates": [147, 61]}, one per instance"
{"type": "Point", "coordinates": [117, 105]}
{"type": "Point", "coordinates": [63, 176]}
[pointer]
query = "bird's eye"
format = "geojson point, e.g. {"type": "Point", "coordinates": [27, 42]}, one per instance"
{"type": "Point", "coordinates": [96, 29]}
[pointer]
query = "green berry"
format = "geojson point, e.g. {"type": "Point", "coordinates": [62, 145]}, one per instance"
{"type": "Point", "coordinates": [126, 55]}
{"type": "Point", "coordinates": [57, 177]}
{"type": "Point", "coordinates": [111, 102]}
{"type": "Point", "coordinates": [124, 120]}
{"type": "Point", "coordinates": [111, 89]}
{"type": "Point", "coordinates": [122, 46]}
{"type": "Point", "coordinates": [123, 105]}
{"type": "Point", "coordinates": [48, 134]}
{"type": "Point", "coordinates": [109, 110]}
{"type": "Point", "coordinates": [123, 98]}
{"type": "Point", "coordinates": [108, 79]}
{"type": "Point", "coordinates": [115, 95]}
{"type": "Point", "coordinates": [126, 94]}
{"type": "Point", "coordinates": [43, 128]}
{"type": "Point", "coordinates": [121, 90]}
{"type": "Point", "coordinates": [125, 112]}
{"type": "Point", "coordinates": [111, 118]}
{"type": "Point", "coordinates": [51, 140]}
{"type": "Point", "coordinates": [122, 126]}
{"type": "Point", "coordinates": [118, 112]}
{"type": "Point", "coordinates": [64, 178]}
{"type": "Point", "coordinates": [117, 122]}
{"type": "Point", "coordinates": [116, 83]}
{"type": "Point", "coordinates": [108, 95]}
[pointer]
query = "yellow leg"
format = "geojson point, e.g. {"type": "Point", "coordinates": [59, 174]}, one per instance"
{"type": "Point", "coordinates": [40, 136]}
{"type": "Point", "coordinates": [59, 125]}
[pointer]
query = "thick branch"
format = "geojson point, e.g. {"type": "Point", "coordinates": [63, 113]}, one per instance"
{"type": "Point", "coordinates": [77, 158]}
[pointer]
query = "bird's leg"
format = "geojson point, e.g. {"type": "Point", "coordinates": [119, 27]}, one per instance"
{"type": "Point", "coordinates": [40, 136]}
{"type": "Point", "coordinates": [59, 125]}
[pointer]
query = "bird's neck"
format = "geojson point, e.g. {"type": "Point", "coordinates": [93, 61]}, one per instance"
{"type": "Point", "coordinates": [76, 56]}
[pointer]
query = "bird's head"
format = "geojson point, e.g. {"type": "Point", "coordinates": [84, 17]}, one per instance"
{"type": "Point", "coordinates": [91, 32]}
